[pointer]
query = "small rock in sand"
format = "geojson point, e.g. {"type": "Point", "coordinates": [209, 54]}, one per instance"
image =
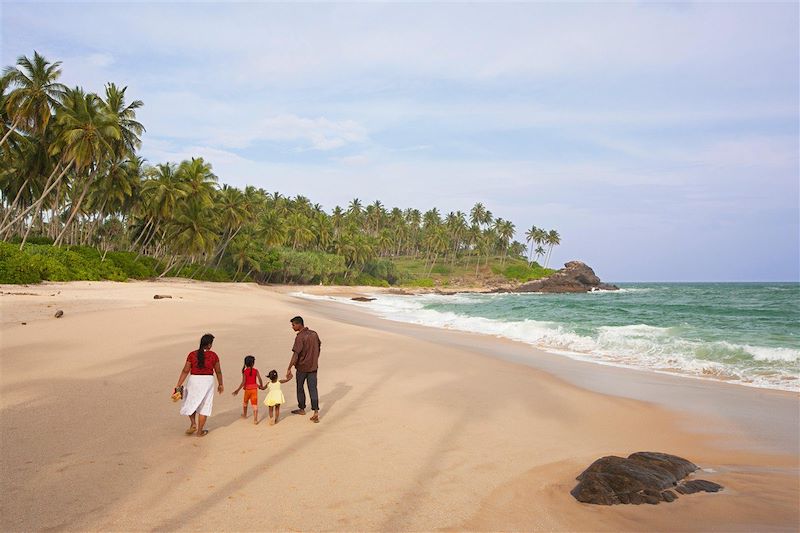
{"type": "Point", "coordinates": [59, 313]}
{"type": "Point", "coordinates": [161, 296]}
{"type": "Point", "coordinates": [362, 299]}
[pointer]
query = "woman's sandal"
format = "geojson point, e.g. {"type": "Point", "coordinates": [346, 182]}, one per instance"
{"type": "Point", "coordinates": [190, 430]}
{"type": "Point", "coordinates": [203, 433]}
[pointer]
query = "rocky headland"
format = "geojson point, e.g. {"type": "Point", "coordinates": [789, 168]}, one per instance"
{"type": "Point", "coordinates": [576, 276]}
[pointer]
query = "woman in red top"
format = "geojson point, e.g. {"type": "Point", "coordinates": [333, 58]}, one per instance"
{"type": "Point", "coordinates": [198, 395]}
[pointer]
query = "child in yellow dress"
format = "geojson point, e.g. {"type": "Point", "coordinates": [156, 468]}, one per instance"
{"type": "Point", "coordinates": [274, 397]}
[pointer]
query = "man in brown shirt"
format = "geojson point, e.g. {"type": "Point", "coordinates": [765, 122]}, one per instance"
{"type": "Point", "coordinates": [305, 359]}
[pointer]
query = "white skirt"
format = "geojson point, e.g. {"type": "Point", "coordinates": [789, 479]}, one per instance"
{"type": "Point", "coordinates": [198, 395]}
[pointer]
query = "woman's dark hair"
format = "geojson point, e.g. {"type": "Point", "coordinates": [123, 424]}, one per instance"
{"type": "Point", "coordinates": [273, 375]}
{"type": "Point", "coordinates": [205, 342]}
{"type": "Point", "coordinates": [249, 361]}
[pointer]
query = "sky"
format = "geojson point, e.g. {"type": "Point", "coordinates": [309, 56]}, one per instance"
{"type": "Point", "coordinates": [659, 139]}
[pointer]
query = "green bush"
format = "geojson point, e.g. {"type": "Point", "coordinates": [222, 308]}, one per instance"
{"type": "Point", "coordinates": [137, 268]}
{"type": "Point", "coordinates": [369, 281]}
{"type": "Point", "coordinates": [382, 269]}
{"type": "Point", "coordinates": [15, 266]}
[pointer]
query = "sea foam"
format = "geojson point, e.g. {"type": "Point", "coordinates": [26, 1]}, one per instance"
{"type": "Point", "coordinates": [640, 346]}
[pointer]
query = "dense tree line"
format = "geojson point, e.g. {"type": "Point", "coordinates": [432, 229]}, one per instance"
{"type": "Point", "coordinates": [69, 171]}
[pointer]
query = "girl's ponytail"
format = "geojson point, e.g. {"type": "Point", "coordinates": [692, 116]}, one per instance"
{"type": "Point", "coordinates": [249, 361]}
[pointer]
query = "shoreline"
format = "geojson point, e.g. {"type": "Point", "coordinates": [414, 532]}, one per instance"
{"type": "Point", "coordinates": [421, 429]}
{"type": "Point", "coordinates": [340, 294]}
{"type": "Point", "coordinates": [758, 409]}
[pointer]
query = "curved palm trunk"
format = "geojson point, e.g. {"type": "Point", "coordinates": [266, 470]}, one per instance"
{"type": "Point", "coordinates": [225, 245]}
{"type": "Point", "coordinates": [75, 208]}
{"type": "Point", "coordinates": [14, 203]}
{"type": "Point", "coordinates": [10, 131]}
{"type": "Point", "coordinates": [48, 187]}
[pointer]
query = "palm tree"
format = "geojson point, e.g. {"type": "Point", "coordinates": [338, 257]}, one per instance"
{"type": "Point", "coordinates": [505, 231]}
{"type": "Point", "coordinates": [193, 232]}
{"type": "Point", "coordinates": [36, 95]}
{"type": "Point", "coordinates": [530, 235]}
{"type": "Point", "coordinates": [354, 209]}
{"type": "Point", "coordinates": [477, 214]}
{"type": "Point", "coordinates": [199, 179]}
{"type": "Point", "coordinates": [232, 209]}
{"type": "Point", "coordinates": [539, 251]}
{"type": "Point", "coordinates": [86, 132]}
{"type": "Point", "coordinates": [130, 129]}
{"type": "Point", "coordinates": [271, 228]}
{"type": "Point", "coordinates": [553, 239]}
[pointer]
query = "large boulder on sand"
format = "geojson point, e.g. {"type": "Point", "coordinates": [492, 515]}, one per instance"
{"type": "Point", "coordinates": [644, 477]}
{"type": "Point", "coordinates": [576, 276]}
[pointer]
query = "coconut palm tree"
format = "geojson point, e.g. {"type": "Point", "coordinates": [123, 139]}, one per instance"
{"type": "Point", "coordinates": [530, 235]}
{"type": "Point", "coordinates": [199, 179]}
{"type": "Point", "coordinates": [552, 239]}
{"type": "Point", "coordinates": [477, 214]}
{"type": "Point", "coordinates": [130, 129]}
{"type": "Point", "coordinates": [191, 233]}
{"type": "Point", "coordinates": [539, 252]}
{"type": "Point", "coordinates": [36, 94]}
{"type": "Point", "coordinates": [232, 209]}
{"type": "Point", "coordinates": [86, 133]}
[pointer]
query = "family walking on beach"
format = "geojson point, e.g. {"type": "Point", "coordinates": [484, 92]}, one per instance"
{"type": "Point", "coordinates": [198, 394]}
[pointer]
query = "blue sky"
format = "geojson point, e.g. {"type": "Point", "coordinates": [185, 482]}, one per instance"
{"type": "Point", "coordinates": [660, 140]}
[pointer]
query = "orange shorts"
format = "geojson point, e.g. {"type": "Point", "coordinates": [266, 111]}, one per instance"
{"type": "Point", "coordinates": [252, 395]}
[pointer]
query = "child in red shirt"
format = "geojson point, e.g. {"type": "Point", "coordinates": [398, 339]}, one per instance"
{"type": "Point", "coordinates": [250, 376]}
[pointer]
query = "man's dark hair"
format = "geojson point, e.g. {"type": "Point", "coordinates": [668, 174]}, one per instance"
{"type": "Point", "coordinates": [297, 320]}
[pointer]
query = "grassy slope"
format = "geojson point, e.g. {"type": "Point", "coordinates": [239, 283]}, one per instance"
{"type": "Point", "coordinates": [462, 273]}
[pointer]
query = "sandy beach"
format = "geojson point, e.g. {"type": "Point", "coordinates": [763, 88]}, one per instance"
{"type": "Point", "coordinates": [422, 429]}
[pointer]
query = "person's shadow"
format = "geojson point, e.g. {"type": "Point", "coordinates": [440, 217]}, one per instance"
{"type": "Point", "coordinates": [340, 390]}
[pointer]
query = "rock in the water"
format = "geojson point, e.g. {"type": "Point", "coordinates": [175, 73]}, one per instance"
{"type": "Point", "coordinates": [362, 299]}
{"type": "Point", "coordinates": [59, 313]}
{"type": "Point", "coordinates": [644, 477]}
{"type": "Point", "coordinates": [161, 296]}
{"type": "Point", "coordinates": [574, 277]}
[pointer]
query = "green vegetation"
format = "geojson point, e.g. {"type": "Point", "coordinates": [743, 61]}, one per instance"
{"type": "Point", "coordinates": [81, 204]}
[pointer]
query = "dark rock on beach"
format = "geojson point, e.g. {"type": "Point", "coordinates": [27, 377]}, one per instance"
{"type": "Point", "coordinates": [59, 313]}
{"type": "Point", "coordinates": [161, 296]}
{"type": "Point", "coordinates": [644, 477]}
{"type": "Point", "coordinates": [574, 277]}
{"type": "Point", "coordinates": [362, 299]}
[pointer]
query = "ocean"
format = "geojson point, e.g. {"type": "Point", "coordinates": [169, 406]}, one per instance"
{"type": "Point", "coordinates": [747, 333]}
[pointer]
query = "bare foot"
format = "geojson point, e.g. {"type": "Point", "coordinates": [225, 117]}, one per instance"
{"type": "Point", "coordinates": [256, 421]}
{"type": "Point", "coordinates": [271, 421]}
{"type": "Point", "coordinates": [315, 419]}
{"type": "Point", "coordinates": [298, 412]}
{"type": "Point", "coordinates": [202, 433]}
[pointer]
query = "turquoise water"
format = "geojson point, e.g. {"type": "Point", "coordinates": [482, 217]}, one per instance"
{"type": "Point", "coordinates": [743, 332]}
